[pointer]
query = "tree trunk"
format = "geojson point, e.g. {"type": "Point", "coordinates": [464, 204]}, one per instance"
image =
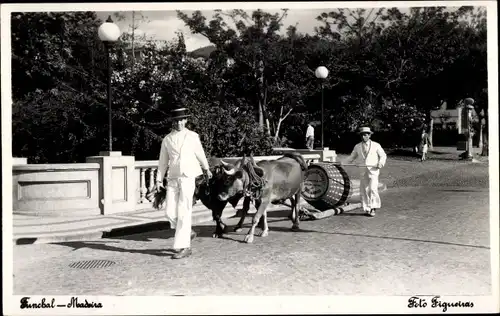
{"type": "Point", "coordinates": [268, 128]}
{"type": "Point", "coordinates": [278, 127]}
{"type": "Point", "coordinates": [264, 109]}
{"type": "Point", "coordinates": [261, 116]}
{"type": "Point", "coordinates": [261, 93]}
{"type": "Point", "coordinates": [277, 133]}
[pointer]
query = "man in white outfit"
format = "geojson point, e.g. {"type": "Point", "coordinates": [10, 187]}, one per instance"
{"type": "Point", "coordinates": [181, 155]}
{"type": "Point", "coordinates": [310, 136]}
{"type": "Point", "coordinates": [371, 155]}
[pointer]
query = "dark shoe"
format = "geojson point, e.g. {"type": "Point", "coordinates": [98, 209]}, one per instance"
{"type": "Point", "coordinates": [193, 234]}
{"type": "Point", "coordinates": [372, 212]}
{"type": "Point", "coordinates": [186, 252]}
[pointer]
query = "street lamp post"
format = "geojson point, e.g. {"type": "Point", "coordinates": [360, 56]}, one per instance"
{"type": "Point", "coordinates": [109, 33]}
{"type": "Point", "coordinates": [469, 107]}
{"type": "Point", "coordinates": [321, 73]}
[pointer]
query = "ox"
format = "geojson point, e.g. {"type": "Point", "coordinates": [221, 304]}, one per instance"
{"type": "Point", "coordinates": [266, 182]}
{"type": "Point", "coordinates": [206, 192]}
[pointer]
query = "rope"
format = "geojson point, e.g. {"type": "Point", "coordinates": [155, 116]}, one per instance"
{"type": "Point", "coordinates": [255, 182]}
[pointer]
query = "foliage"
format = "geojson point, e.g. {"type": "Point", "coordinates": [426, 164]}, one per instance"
{"type": "Point", "coordinates": [57, 64]}
{"type": "Point", "coordinates": [356, 25]}
{"type": "Point", "coordinates": [54, 46]}
{"type": "Point", "coordinates": [264, 69]}
{"type": "Point", "coordinates": [57, 127]}
{"type": "Point", "coordinates": [254, 88]}
{"type": "Point", "coordinates": [227, 132]}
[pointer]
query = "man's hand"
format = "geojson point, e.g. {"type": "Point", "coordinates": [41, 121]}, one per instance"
{"type": "Point", "coordinates": [208, 173]}
{"type": "Point", "coordinates": [379, 165]}
{"type": "Point", "coordinates": [159, 184]}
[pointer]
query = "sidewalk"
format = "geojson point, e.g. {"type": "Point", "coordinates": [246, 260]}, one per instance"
{"type": "Point", "coordinates": [34, 229]}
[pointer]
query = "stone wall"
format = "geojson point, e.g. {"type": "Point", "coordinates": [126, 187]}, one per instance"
{"type": "Point", "coordinates": [106, 184]}
{"type": "Point", "coordinates": [56, 189]}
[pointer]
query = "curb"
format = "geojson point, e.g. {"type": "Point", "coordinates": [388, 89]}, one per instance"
{"type": "Point", "coordinates": [118, 230]}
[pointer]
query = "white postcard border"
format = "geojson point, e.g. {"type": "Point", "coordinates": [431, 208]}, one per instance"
{"type": "Point", "coordinates": [239, 304]}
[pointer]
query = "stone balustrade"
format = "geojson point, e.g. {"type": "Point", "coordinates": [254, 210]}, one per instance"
{"type": "Point", "coordinates": [146, 174]}
{"type": "Point", "coordinates": [106, 184]}
{"type": "Point", "coordinates": [56, 189]}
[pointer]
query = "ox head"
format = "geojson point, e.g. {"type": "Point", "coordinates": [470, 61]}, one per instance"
{"type": "Point", "coordinates": [234, 180]}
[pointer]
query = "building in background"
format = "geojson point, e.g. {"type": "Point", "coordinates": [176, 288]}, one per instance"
{"type": "Point", "coordinates": [137, 52]}
{"type": "Point", "coordinates": [447, 118]}
{"type": "Point", "coordinates": [449, 126]}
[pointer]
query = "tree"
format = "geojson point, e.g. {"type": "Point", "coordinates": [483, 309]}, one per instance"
{"type": "Point", "coordinates": [130, 35]}
{"type": "Point", "coordinates": [423, 46]}
{"type": "Point", "coordinates": [57, 66]}
{"type": "Point", "coordinates": [468, 75]}
{"type": "Point", "coordinates": [168, 78]}
{"type": "Point", "coordinates": [48, 47]}
{"type": "Point", "coordinates": [357, 25]}
{"type": "Point", "coordinates": [357, 67]}
{"type": "Point", "coordinates": [256, 50]}
{"type": "Point", "coordinates": [256, 88]}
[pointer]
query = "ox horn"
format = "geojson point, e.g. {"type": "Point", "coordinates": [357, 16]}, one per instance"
{"type": "Point", "coordinates": [229, 172]}
{"type": "Point", "coordinates": [226, 166]}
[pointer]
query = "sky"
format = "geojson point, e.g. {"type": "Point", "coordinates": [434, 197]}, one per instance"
{"type": "Point", "coordinates": [163, 25]}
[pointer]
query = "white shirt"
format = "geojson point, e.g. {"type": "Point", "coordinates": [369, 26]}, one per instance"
{"type": "Point", "coordinates": [177, 139]}
{"type": "Point", "coordinates": [310, 131]}
{"type": "Point", "coordinates": [366, 147]}
{"type": "Point", "coordinates": [375, 156]}
{"type": "Point", "coordinates": [181, 155]}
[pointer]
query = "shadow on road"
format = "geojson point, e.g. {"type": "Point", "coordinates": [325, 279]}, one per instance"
{"type": "Point", "coordinates": [431, 157]}
{"type": "Point", "coordinates": [351, 214]}
{"type": "Point", "coordinates": [402, 153]}
{"type": "Point", "coordinates": [283, 229]}
{"type": "Point", "coordinates": [207, 231]}
{"type": "Point", "coordinates": [460, 190]}
{"type": "Point", "coordinates": [437, 152]}
{"type": "Point", "coordinates": [76, 245]}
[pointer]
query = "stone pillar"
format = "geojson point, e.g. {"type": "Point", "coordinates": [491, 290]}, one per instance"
{"type": "Point", "coordinates": [328, 155]}
{"type": "Point", "coordinates": [116, 182]}
{"type": "Point", "coordinates": [19, 161]}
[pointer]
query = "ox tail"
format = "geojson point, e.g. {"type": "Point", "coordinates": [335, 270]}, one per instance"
{"type": "Point", "coordinates": [297, 157]}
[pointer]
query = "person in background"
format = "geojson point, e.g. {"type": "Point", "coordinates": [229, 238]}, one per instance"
{"type": "Point", "coordinates": [424, 144]}
{"type": "Point", "coordinates": [372, 157]}
{"type": "Point", "coordinates": [181, 155]}
{"type": "Point", "coordinates": [310, 136]}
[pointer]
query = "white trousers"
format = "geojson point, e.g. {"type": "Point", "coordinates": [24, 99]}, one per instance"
{"type": "Point", "coordinates": [425, 148]}
{"type": "Point", "coordinates": [179, 209]}
{"type": "Point", "coordinates": [369, 191]}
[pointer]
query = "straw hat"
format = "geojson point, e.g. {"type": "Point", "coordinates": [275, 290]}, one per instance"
{"type": "Point", "coordinates": [363, 130]}
{"type": "Point", "coordinates": [179, 113]}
